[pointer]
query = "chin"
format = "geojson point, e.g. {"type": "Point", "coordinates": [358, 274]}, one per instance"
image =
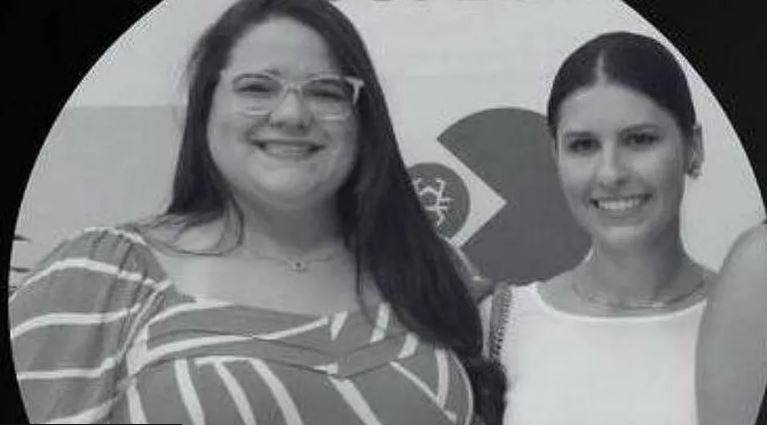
{"type": "Point", "coordinates": [622, 238]}
{"type": "Point", "coordinates": [303, 200]}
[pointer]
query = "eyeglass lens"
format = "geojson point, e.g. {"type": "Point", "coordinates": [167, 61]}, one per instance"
{"type": "Point", "coordinates": [326, 96]}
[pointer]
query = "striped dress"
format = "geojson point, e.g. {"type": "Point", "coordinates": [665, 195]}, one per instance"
{"type": "Point", "coordinates": [100, 334]}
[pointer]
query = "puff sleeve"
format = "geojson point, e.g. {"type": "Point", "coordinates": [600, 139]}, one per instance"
{"type": "Point", "coordinates": [71, 322]}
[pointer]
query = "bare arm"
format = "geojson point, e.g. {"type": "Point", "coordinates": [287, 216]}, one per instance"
{"type": "Point", "coordinates": [732, 348]}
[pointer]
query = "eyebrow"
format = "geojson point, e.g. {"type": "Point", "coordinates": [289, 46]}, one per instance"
{"type": "Point", "coordinates": [243, 74]}
{"type": "Point", "coordinates": [640, 127]}
{"type": "Point", "coordinates": [576, 134]}
{"type": "Point", "coordinates": [276, 73]}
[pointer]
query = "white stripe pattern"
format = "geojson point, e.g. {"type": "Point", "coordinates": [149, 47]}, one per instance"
{"type": "Point", "coordinates": [89, 416]}
{"type": "Point", "coordinates": [356, 401]}
{"type": "Point", "coordinates": [469, 392]}
{"type": "Point", "coordinates": [90, 265]}
{"type": "Point", "coordinates": [237, 394]}
{"type": "Point", "coordinates": [451, 416]}
{"type": "Point", "coordinates": [39, 275]}
{"type": "Point", "coordinates": [216, 359]}
{"type": "Point", "coordinates": [74, 319]}
{"type": "Point", "coordinates": [338, 322]}
{"type": "Point", "coordinates": [66, 373]}
{"type": "Point", "coordinates": [188, 392]}
{"type": "Point", "coordinates": [133, 237]}
{"type": "Point", "coordinates": [382, 323]}
{"type": "Point", "coordinates": [280, 393]}
{"type": "Point", "coordinates": [443, 376]}
{"type": "Point", "coordinates": [136, 340]}
{"type": "Point", "coordinates": [139, 359]}
{"type": "Point", "coordinates": [135, 407]}
{"type": "Point", "coordinates": [293, 331]}
{"type": "Point", "coordinates": [206, 360]}
{"type": "Point", "coordinates": [137, 355]}
{"type": "Point", "coordinates": [331, 368]}
{"type": "Point", "coordinates": [409, 346]}
{"type": "Point", "coordinates": [107, 364]}
{"type": "Point", "coordinates": [196, 305]}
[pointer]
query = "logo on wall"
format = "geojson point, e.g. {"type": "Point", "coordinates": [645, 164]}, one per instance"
{"type": "Point", "coordinates": [531, 235]}
{"type": "Point", "coordinates": [443, 195]}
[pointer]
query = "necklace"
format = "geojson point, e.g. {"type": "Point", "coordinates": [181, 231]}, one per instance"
{"type": "Point", "coordinates": [641, 305]}
{"type": "Point", "coordinates": [298, 265]}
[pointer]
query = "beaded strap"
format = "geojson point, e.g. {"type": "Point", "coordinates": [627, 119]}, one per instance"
{"type": "Point", "coordinates": [499, 311]}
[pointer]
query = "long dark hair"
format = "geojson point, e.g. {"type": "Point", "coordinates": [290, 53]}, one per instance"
{"type": "Point", "coordinates": [381, 218]}
{"type": "Point", "coordinates": [634, 60]}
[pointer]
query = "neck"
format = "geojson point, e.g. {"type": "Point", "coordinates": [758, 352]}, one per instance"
{"type": "Point", "coordinates": [652, 272]}
{"type": "Point", "coordinates": [291, 233]}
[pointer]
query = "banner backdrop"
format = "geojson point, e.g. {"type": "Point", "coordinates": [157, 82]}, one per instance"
{"type": "Point", "coordinates": [466, 83]}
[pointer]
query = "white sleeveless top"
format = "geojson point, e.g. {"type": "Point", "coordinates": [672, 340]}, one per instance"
{"type": "Point", "coordinates": [565, 368]}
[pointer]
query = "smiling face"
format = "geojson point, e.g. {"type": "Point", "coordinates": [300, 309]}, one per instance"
{"type": "Point", "coordinates": [622, 160]}
{"type": "Point", "coordinates": [287, 159]}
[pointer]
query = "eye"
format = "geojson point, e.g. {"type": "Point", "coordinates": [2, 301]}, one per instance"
{"type": "Point", "coordinates": [641, 139]}
{"type": "Point", "coordinates": [260, 86]}
{"type": "Point", "coordinates": [581, 145]}
{"type": "Point", "coordinates": [329, 89]}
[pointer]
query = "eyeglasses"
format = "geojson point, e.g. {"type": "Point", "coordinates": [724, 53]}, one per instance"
{"type": "Point", "coordinates": [328, 97]}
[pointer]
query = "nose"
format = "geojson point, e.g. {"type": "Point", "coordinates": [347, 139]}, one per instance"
{"type": "Point", "coordinates": [611, 170]}
{"type": "Point", "coordinates": [290, 111]}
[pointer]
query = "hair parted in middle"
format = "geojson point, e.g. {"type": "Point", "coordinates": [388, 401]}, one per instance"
{"type": "Point", "coordinates": [636, 61]}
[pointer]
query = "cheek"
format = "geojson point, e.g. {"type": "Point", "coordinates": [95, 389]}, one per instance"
{"type": "Point", "coordinates": [666, 170]}
{"type": "Point", "coordinates": [225, 136]}
{"type": "Point", "coordinates": [224, 124]}
{"type": "Point", "coordinates": [220, 141]}
{"type": "Point", "coordinates": [573, 177]}
{"type": "Point", "coordinates": [347, 146]}
{"type": "Point", "coordinates": [352, 145]}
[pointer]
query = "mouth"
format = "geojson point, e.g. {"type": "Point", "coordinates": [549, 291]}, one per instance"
{"type": "Point", "coordinates": [620, 205]}
{"type": "Point", "coordinates": [288, 149]}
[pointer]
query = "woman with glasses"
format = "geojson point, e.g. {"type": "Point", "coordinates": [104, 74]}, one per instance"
{"type": "Point", "coordinates": [612, 341]}
{"type": "Point", "coordinates": [294, 278]}
{"type": "Point", "coordinates": [732, 348]}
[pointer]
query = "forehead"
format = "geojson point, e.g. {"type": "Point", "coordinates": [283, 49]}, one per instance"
{"type": "Point", "coordinates": [282, 45]}
{"type": "Point", "coordinates": [610, 106]}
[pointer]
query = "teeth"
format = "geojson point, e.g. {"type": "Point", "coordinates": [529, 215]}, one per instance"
{"type": "Point", "coordinates": [288, 149]}
{"type": "Point", "coordinates": [619, 204]}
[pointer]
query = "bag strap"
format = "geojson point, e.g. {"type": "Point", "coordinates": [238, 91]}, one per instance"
{"type": "Point", "coordinates": [499, 311]}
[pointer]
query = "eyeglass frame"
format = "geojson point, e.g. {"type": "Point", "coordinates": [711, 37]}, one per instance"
{"type": "Point", "coordinates": [297, 86]}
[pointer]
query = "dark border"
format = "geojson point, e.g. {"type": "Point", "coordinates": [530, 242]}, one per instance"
{"type": "Point", "coordinates": [48, 46]}
{"type": "Point", "coordinates": [725, 43]}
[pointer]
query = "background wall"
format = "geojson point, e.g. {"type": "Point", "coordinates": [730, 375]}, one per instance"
{"type": "Point", "coordinates": [466, 82]}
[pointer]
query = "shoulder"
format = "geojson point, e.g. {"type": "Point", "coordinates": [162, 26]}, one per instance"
{"type": "Point", "coordinates": [752, 241]}
{"type": "Point", "coordinates": [95, 264]}
{"type": "Point", "coordinates": [118, 246]}
{"type": "Point", "coordinates": [747, 259]}
{"type": "Point", "coordinates": [74, 315]}
{"type": "Point", "coordinates": [749, 250]}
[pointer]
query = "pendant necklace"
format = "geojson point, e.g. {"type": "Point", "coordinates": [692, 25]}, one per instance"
{"type": "Point", "coordinates": [639, 305]}
{"type": "Point", "coordinates": [297, 265]}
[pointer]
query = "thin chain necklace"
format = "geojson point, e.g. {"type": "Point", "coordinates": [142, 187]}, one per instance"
{"type": "Point", "coordinates": [297, 265]}
{"type": "Point", "coordinates": [641, 305]}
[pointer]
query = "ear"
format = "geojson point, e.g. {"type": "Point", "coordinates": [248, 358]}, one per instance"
{"type": "Point", "coordinates": [554, 148]}
{"type": "Point", "coordinates": [695, 152]}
